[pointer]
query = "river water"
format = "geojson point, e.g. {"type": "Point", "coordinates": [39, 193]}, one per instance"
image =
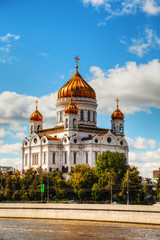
{"type": "Point", "coordinates": [74, 230]}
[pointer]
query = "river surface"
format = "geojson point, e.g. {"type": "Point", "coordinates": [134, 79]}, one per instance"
{"type": "Point", "coordinates": [74, 230]}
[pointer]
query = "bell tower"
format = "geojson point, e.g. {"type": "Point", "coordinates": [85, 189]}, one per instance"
{"type": "Point", "coordinates": [71, 117]}
{"type": "Point", "coordinates": [117, 122]}
{"type": "Point", "coordinates": [36, 122]}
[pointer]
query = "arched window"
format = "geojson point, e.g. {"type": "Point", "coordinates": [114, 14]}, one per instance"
{"type": "Point", "coordinates": [39, 127]}
{"type": "Point", "coordinates": [74, 158]}
{"type": "Point", "coordinates": [54, 157]}
{"type": "Point", "coordinates": [81, 115]}
{"type": "Point", "coordinates": [74, 123]}
{"type": "Point", "coordinates": [114, 127]}
{"type": "Point", "coordinates": [31, 129]}
{"type": "Point", "coordinates": [121, 128]}
{"type": "Point", "coordinates": [67, 123]}
{"type": "Point", "coordinates": [88, 116]}
{"type": "Point", "coordinates": [86, 157]}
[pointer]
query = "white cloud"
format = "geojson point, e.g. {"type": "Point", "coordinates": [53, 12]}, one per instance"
{"type": "Point", "coordinates": [11, 148]}
{"type": "Point", "coordinates": [9, 37]}
{"type": "Point", "coordinates": [16, 127]}
{"type": "Point", "coordinates": [125, 7]}
{"type": "Point", "coordinates": [141, 143]}
{"type": "Point", "coordinates": [151, 7]}
{"type": "Point", "coordinates": [13, 162]}
{"type": "Point", "coordinates": [94, 2]}
{"type": "Point", "coordinates": [144, 43]}
{"type": "Point", "coordinates": [23, 106]}
{"type": "Point", "coordinates": [3, 133]}
{"type": "Point", "coordinates": [127, 83]}
{"type": "Point", "coordinates": [145, 161]}
{"type": "Point", "coordinates": [20, 135]}
{"type": "Point", "coordinates": [44, 54]}
{"type": "Point", "coordinates": [5, 48]}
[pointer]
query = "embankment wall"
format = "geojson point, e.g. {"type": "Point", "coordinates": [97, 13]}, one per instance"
{"type": "Point", "coordinates": [87, 212]}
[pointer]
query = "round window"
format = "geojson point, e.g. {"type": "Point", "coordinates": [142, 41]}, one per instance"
{"type": "Point", "coordinates": [44, 140]}
{"type": "Point", "coordinates": [65, 140]}
{"type": "Point", "coordinates": [26, 143]}
{"type": "Point", "coordinates": [96, 140]}
{"type": "Point", "coordinates": [75, 140]}
{"type": "Point", "coordinates": [35, 140]}
{"type": "Point", "coordinates": [109, 140]}
{"type": "Point", "coordinates": [121, 142]}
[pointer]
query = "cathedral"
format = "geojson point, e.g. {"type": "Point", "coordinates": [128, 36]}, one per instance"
{"type": "Point", "coordinates": [75, 139]}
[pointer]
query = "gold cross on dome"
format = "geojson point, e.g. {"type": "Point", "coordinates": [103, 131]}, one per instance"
{"type": "Point", "coordinates": [77, 59]}
{"type": "Point", "coordinates": [117, 100]}
{"type": "Point", "coordinates": [36, 104]}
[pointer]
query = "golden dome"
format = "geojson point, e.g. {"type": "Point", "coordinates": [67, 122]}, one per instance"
{"type": "Point", "coordinates": [71, 108]}
{"type": "Point", "coordinates": [36, 116]}
{"type": "Point", "coordinates": [117, 114]}
{"type": "Point", "coordinates": [76, 87]}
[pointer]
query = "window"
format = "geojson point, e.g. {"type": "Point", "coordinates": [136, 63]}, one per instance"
{"type": "Point", "coordinates": [67, 123]}
{"type": "Point", "coordinates": [74, 123]}
{"type": "Point", "coordinates": [65, 158]}
{"type": "Point", "coordinates": [86, 157]}
{"type": "Point", "coordinates": [121, 142]}
{"type": "Point", "coordinates": [96, 154]}
{"type": "Point", "coordinates": [31, 129]}
{"type": "Point", "coordinates": [44, 158]}
{"type": "Point", "coordinates": [61, 116]}
{"type": "Point", "coordinates": [114, 127]}
{"type": "Point", "coordinates": [121, 128]}
{"type": "Point", "coordinates": [94, 117]}
{"type": "Point", "coordinates": [109, 140]}
{"type": "Point", "coordinates": [81, 115]}
{"type": "Point", "coordinates": [74, 156]}
{"type": "Point", "coordinates": [54, 158]}
{"type": "Point", "coordinates": [25, 159]}
{"type": "Point", "coordinates": [35, 158]}
{"type": "Point", "coordinates": [89, 116]}
{"type": "Point", "coordinates": [39, 127]}
{"type": "Point", "coordinates": [96, 140]}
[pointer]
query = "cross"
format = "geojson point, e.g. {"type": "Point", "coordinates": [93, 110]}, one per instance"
{"type": "Point", "coordinates": [36, 104]}
{"type": "Point", "coordinates": [77, 59]}
{"type": "Point", "coordinates": [117, 100]}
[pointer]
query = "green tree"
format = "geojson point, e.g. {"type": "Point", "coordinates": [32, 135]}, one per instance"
{"type": "Point", "coordinates": [111, 161]}
{"type": "Point", "coordinates": [82, 180]}
{"type": "Point", "coordinates": [8, 192]}
{"type": "Point", "coordinates": [135, 187]}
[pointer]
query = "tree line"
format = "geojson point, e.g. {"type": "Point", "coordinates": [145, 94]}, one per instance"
{"type": "Point", "coordinates": [112, 179]}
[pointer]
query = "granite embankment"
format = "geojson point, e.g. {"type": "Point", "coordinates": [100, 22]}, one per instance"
{"type": "Point", "coordinates": [89, 212]}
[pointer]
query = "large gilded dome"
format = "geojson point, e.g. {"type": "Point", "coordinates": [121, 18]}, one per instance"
{"type": "Point", "coordinates": [76, 87]}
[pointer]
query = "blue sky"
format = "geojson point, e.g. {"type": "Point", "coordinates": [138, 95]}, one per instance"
{"type": "Point", "coordinates": [118, 43]}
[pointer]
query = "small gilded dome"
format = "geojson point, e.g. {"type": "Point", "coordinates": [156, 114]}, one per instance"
{"type": "Point", "coordinates": [76, 87]}
{"type": "Point", "coordinates": [36, 116]}
{"type": "Point", "coordinates": [117, 114]}
{"type": "Point", "coordinates": [71, 108]}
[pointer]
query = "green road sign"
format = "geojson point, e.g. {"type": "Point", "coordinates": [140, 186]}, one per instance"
{"type": "Point", "coordinates": [42, 188]}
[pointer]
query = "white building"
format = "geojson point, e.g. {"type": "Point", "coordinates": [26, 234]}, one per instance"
{"type": "Point", "coordinates": [75, 139]}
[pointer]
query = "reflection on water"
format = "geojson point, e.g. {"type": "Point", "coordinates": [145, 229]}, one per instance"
{"type": "Point", "coordinates": [74, 230]}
